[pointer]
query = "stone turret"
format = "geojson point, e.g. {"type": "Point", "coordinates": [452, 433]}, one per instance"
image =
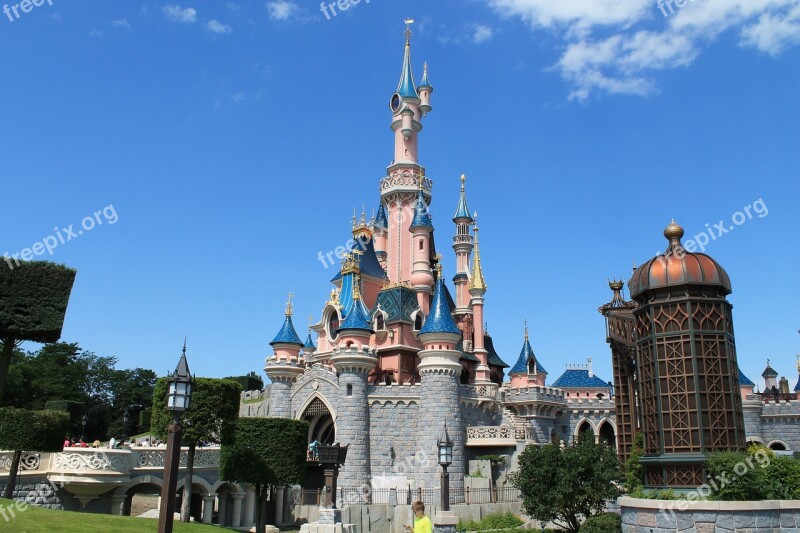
{"type": "Point", "coordinates": [353, 360]}
{"type": "Point", "coordinates": [284, 366]}
{"type": "Point", "coordinates": [439, 370]}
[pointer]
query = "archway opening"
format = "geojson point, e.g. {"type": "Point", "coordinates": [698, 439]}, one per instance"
{"type": "Point", "coordinates": [778, 446]}
{"type": "Point", "coordinates": [607, 434]}
{"type": "Point", "coordinates": [585, 430]}
{"type": "Point", "coordinates": [322, 431]}
{"type": "Point", "coordinates": [140, 499]}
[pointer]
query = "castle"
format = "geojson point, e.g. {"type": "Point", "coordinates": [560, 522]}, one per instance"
{"type": "Point", "coordinates": [398, 358]}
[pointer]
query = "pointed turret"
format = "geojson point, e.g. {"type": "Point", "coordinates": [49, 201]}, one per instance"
{"type": "Point", "coordinates": [309, 346]}
{"type": "Point", "coordinates": [380, 219]}
{"type": "Point", "coordinates": [476, 283]}
{"type": "Point", "coordinates": [422, 213]}
{"type": "Point", "coordinates": [527, 369]}
{"type": "Point", "coordinates": [462, 246]}
{"type": "Point", "coordinates": [406, 87]}
{"type": "Point", "coordinates": [440, 320]}
{"type": "Point", "coordinates": [358, 317]}
{"type": "Point", "coordinates": [287, 334]}
{"type": "Point", "coordinates": [425, 90]}
{"type": "Point", "coordinates": [462, 211]}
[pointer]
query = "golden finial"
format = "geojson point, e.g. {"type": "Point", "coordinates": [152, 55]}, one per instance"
{"type": "Point", "coordinates": [363, 214]}
{"type": "Point", "coordinates": [673, 232]}
{"type": "Point", "coordinates": [463, 180]}
{"type": "Point", "coordinates": [357, 286]}
{"type": "Point", "coordinates": [289, 305]}
{"type": "Point", "coordinates": [354, 217]}
{"type": "Point", "coordinates": [526, 330]}
{"type": "Point", "coordinates": [438, 259]}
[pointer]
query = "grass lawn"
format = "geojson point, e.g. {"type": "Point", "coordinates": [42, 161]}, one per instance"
{"type": "Point", "coordinates": [36, 520]}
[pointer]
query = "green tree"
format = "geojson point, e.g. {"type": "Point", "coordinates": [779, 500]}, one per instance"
{"type": "Point", "coordinates": [22, 430]}
{"type": "Point", "coordinates": [566, 485]}
{"type": "Point", "coordinates": [634, 471]}
{"type": "Point", "coordinates": [265, 452]}
{"type": "Point", "coordinates": [33, 301]}
{"type": "Point", "coordinates": [211, 417]}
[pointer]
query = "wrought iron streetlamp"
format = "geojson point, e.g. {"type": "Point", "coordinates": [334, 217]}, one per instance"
{"type": "Point", "coordinates": [178, 399]}
{"type": "Point", "coordinates": [84, 420]}
{"type": "Point", "coordinates": [445, 460]}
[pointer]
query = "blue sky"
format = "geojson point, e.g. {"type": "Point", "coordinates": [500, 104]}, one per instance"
{"type": "Point", "coordinates": [234, 139]}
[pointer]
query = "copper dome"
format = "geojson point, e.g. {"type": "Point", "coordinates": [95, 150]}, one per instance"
{"type": "Point", "coordinates": [676, 266]}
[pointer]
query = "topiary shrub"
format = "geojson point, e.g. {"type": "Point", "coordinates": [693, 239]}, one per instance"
{"type": "Point", "coordinates": [602, 523]}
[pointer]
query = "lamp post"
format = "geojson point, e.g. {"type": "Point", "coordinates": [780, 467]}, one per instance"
{"type": "Point", "coordinates": [178, 399]}
{"type": "Point", "coordinates": [125, 417]}
{"type": "Point", "coordinates": [445, 459]}
{"type": "Point", "coordinates": [84, 420]}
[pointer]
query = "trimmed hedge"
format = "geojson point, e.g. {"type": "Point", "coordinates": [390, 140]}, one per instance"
{"type": "Point", "coordinates": [248, 383]}
{"type": "Point", "coordinates": [33, 300]}
{"type": "Point", "coordinates": [266, 451]}
{"type": "Point", "coordinates": [211, 416]}
{"type": "Point", "coordinates": [602, 523]}
{"type": "Point", "coordinates": [492, 522]}
{"type": "Point", "coordinates": [32, 431]}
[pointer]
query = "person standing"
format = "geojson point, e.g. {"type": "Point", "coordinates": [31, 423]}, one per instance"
{"type": "Point", "coordinates": [422, 524]}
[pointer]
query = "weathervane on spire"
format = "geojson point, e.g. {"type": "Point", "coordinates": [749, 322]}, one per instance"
{"type": "Point", "coordinates": [526, 329]}
{"type": "Point", "coordinates": [408, 23]}
{"type": "Point", "coordinates": [289, 305]}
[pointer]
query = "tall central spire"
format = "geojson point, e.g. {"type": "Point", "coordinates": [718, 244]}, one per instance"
{"type": "Point", "coordinates": [406, 88]}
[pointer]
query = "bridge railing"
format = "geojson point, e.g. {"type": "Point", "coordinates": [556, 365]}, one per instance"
{"type": "Point", "coordinates": [103, 462]}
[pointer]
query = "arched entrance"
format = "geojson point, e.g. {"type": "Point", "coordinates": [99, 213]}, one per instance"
{"type": "Point", "coordinates": [321, 426]}
{"type": "Point", "coordinates": [323, 430]}
{"type": "Point", "coordinates": [584, 429]}
{"type": "Point", "coordinates": [606, 434]}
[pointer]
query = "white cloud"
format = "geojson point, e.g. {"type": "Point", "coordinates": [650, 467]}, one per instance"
{"type": "Point", "coordinates": [214, 26]}
{"type": "Point", "coordinates": [96, 33]}
{"type": "Point", "coordinates": [121, 23]}
{"type": "Point", "coordinates": [616, 46]}
{"type": "Point", "coordinates": [482, 34]}
{"type": "Point", "coordinates": [281, 9]}
{"type": "Point", "coordinates": [179, 14]}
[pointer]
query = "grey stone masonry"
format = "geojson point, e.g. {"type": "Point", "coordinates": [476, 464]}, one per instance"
{"type": "Point", "coordinates": [279, 399]}
{"type": "Point", "coordinates": [640, 516]}
{"type": "Point", "coordinates": [439, 403]}
{"type": "Point", "coordinates": [352, 422]}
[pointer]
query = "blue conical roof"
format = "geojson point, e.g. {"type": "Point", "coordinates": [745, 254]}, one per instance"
{"type": "Point", "coordinates": [425, 82]}
{"type": "Point", "coordinates": [422, 214]}
{"type": "Point", "coordinates": [309, 343]}
{"type": "Point", "coordinates": [440, 320]}
{"type": "Point", "coordinates": [744, 380]}
{"type": "Point", "coordinates": [462, 212]}
{"type": "Point", "coordinates": [357, 318]}
{"type": "Point", "coordinates": [525, 355]}
{"type": "Point", "coordinates": [406, 87]}
{"type": "Point", "coordinates": [287, 334]}
{"type": "Point", "coordinates": [381, 221]}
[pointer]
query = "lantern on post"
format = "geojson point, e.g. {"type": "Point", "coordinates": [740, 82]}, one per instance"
{"type": "Point", "coordinates": [445, 460]}
{"type": "Point", "coordinates": [179, 398]}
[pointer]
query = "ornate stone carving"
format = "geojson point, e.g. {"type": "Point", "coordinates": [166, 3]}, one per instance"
{"type": "Point", "coordinates": [93, 460]}
{"type": "Point", "coordinates": [28, 461]}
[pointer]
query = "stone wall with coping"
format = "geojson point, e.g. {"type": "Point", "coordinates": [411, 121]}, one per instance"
{"type": "Point", "coordinates": [393, 428]}
{"type": "Point", "coordinates": [663, 516]}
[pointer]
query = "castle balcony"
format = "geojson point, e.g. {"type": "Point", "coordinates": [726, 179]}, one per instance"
{"type": "Point", "coordinates": [481, 393]}
{"type": "Point", "coordinates": [491, 436]}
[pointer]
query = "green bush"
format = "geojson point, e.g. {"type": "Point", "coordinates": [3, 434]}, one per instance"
{"type": "Point", "coordinates": [783, 478]}
{"type": "Point", "coordinates": [34, 431]}
{"type": "Point", "coordinates": [745, 477]}
{"type": "Point", "coordinates": [602, 523]}
{"type": "Point", "coordinates": [493, 521]}
{"type": "Point", "coordinates": [33, 300]}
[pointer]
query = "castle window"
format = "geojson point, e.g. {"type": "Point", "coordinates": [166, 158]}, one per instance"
{"type": "Point", "coordinates": [421, 244]}
{"type": "Point", "coordinates": [418, 322]}
{"type": "Point", "coordinates": [380, 323]}
{"type": "Point", "coordinates": [349, 390]}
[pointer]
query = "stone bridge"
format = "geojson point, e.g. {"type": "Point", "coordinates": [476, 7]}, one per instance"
{"type": "Point", "coordinates": [105, 481]}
